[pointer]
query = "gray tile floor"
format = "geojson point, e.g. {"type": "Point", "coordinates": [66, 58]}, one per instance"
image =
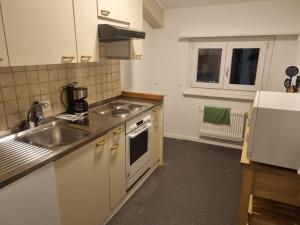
{"type": "Point", "coordinates": [199, 184]}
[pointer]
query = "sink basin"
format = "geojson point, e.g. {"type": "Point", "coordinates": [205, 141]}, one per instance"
{"type": "Point", "coordinates": [55, 136]}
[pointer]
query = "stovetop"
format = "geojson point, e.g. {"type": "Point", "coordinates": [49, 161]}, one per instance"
{"type": "Point", "coordinates": [119, 108]}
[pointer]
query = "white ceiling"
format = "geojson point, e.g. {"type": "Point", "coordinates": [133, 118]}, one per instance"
{"type": "Point", "coordinates": [173, 4]}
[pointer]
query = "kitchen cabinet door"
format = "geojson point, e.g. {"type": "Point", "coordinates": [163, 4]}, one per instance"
{"type": "Point", "coordinates": [39, 32]}
{"type": "Point", "coordinates": [86, 24]}
{"type": "Point", "coordinates": [156, 137]}
{"type": "Point", "coordinates": [31, 200]}
{"type": "Point", "coordinates": [136, 22]}
{"type": "Point", "coordinates": [3, 49]}
{"type": "Point", "coordinates": [83, 184]}
{"type": "Point", "coordinates": [114, 9]}
{"type": "Point", "coordinates": [117, 167]}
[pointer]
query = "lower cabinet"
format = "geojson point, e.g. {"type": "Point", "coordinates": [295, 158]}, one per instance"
{"type": "Point", "coordinates": [117, 168]}
{"type": "Point", "coordinates": [83, 184]}
{"type": "Point", "coordinates": [31, 200]}
{"type": "Point", "coordinates": [156, 137]}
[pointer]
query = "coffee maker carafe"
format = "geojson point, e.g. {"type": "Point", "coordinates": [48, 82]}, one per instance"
{"type": "Point", "coordinates": [76, 96]}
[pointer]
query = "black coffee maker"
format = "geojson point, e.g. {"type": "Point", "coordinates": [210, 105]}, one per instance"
{"type": "Point", "coordinates": [76, 96]}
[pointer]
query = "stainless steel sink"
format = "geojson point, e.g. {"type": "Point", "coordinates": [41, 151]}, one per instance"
{"type": "Point", "coordinates": [54, 136]}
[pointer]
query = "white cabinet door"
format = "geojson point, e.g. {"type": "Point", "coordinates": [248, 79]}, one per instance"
{"type": "Point", "coordinates": [3, 49]}
{"type": "Point", "coordinates": [83, 184]}
{"type": "Point", "coordinates": [86, 24]}
{"type": "Point", "coordinates": [117, 174]}
{"type": "Point", "coordinates": [114, 9]}
{"type": "Point", "coordinates": [31, 200]}
{"type": "Point", "coordinates": [136, 22]}
{"type": "Point", "coordinates": [39, 32]}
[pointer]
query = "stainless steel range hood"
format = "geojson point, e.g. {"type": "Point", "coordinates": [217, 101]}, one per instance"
{"type": "Point", "coordinates": [110, 33]}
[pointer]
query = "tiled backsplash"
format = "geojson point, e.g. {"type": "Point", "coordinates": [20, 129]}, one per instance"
{"type": "Point", "coordinates": [21, 86]}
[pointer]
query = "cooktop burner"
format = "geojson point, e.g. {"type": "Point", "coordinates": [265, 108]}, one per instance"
{"type": "Point", "coordinates": [120, 112]}
{"type": "Point", "coordinates": [116, 105]}
{"type": "Point", "coordinates": [135, 107]}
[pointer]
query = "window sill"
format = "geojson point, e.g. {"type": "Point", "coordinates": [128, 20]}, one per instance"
{"type": "Point", "coordinates": [220, 93]}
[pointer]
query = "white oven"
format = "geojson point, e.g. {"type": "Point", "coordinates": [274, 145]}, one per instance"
{"type": "Point", "coordinates": [137, 147]}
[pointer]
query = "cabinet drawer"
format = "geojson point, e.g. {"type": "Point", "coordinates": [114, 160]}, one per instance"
{"type": "Point", "coordinates": [277, 186]}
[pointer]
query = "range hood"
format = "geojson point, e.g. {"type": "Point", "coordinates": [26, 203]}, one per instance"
{"type": "Point", "coordinates": [110, 33]}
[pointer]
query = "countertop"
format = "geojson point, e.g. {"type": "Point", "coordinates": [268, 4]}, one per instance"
{"type": "Point", "coordinates": [97, 125]}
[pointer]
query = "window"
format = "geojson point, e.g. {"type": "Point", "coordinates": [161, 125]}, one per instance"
{"type": "Point", "coordinates": [231, 65]}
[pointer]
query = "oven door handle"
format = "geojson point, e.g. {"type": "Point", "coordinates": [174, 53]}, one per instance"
{"type": "Point", "coordinates": [133, 135]}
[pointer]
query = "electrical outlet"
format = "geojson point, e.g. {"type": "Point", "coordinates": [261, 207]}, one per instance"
{"type": "Point", "coordinates": [48, 107]}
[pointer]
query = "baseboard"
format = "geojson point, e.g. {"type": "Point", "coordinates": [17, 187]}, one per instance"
{"type": "Point", "coordinates": [206, 141]}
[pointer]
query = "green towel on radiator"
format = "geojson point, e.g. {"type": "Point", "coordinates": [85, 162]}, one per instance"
{"type": "Point", "coordinates": [216, 115]}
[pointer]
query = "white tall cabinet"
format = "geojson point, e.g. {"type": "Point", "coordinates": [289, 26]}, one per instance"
{"type": "Point", "coordinates": [86, 24]}
{"type": "Point", "coordinates": [3, 50]}
{"type": "Point", "coordinates": [39, 32]}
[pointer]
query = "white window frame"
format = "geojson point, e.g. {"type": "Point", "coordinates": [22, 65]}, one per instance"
{"type": "Point", "coordinates": [262, 45]}
{"type": "Point", "coordinates": [207, 45]}
{"type": "Point", "coordinates": [223, 88]}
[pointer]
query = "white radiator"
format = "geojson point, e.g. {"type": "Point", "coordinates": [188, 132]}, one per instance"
{"type": "Point", "coordinates": [232, 132]}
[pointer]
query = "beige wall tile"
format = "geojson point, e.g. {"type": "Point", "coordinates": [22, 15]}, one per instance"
{"type": "Point", "coordinates": [2, 111]}
{"type": "Point", "coordinates": [45, 88]}
{"type": "Point", "coordinates": [13, 120]}
{"type": "Point", "coordinates": [9, 93]}
{"type": "Point", "coordinates": [11, 107]}
{"type": "Point", "coordinates": [24, 104]}
{"type": "Point", "coordinates": [43, 76]}
{"type": "Point", "coordinates": [20, 77]}
{"type": "Point", "coordinates": [34, 90]}
{"type": "Point", "coordinates": [6, 79]}
{"type": "Point", "coordinates": [3, 124]}
{"type": "Point", "coordinates": [22, 91]}
{"type": "Point", "coordinates": [21, 86]}
{"type": "Point", "coordinates": [32, 77]}
{"type": "Point", "coordinates": [53, 74]}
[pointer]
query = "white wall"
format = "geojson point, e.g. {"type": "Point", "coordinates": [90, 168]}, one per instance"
{"type": "Point", "coordinates": [164, 69]}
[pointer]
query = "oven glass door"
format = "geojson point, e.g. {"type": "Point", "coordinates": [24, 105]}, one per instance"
{"type": "Point", "coordinates": [138, 146]}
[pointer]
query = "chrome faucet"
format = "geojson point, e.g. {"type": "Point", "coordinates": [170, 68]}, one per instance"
{"type": "Point", "coordinates": [34, 117]}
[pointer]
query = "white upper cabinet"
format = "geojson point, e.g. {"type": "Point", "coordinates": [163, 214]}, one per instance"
{"type": "Point", "coordinates": [86, 24]}
{"type": "Point", "coordinates": [39, 32]}
{"type": "Point", "coordinates": [3, 50]}
{"type": "Point", "coordinates": [136, 22]}
{"type": "Point", "coordinates": [114, 9]}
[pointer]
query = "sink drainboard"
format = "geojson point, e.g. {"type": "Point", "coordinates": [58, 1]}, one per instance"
{"type": "Point", "coordinates": [14, 154]}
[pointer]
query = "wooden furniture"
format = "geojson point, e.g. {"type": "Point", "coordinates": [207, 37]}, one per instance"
{"type": "Point", "coordinates": [83, 184]}
{"type": "Point", "coordinates": [117, 169]}
{"type": "Point", "coordinates": [267, 182]}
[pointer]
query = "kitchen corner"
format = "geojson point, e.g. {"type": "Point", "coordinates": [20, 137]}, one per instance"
{"type": "Point", "coordinates": [100, 133]}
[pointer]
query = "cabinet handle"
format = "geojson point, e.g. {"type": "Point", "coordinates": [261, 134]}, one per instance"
{"type": "Point", "coordinates": [86, 58]}
{"type": "Point", "coordinates": [138, 56]}
{"type": "Point", "coordinates": [101, 143]}
{"type": "Point", "coordinates": [115, 147]}
{"type": "Point", "coordinates": [68, 58]}
{"type": "Point", "coordinates": [118, 131]}
{"type": "Point", "coordinates": [1, 59]}
{"type": "Point", "coordinates": [105, 12]}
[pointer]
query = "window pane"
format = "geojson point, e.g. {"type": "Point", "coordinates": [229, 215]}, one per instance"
{"type": "Point", "coordinates": [209, 62]}
{"type": "Point", "coordinates": [244, 66]}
